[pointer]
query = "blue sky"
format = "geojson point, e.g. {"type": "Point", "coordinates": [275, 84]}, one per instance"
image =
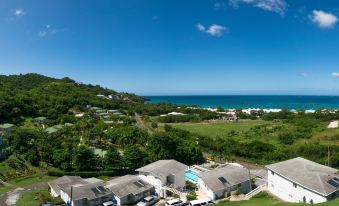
{"type": "Point", "coordinates": [177, 46]}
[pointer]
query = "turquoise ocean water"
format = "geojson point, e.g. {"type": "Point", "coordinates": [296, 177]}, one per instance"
{"type": "Point", "coordinates": [252, 101]}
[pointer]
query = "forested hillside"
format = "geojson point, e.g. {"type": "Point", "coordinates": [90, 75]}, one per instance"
{"type": "Point", "coordinates": [36, 95]}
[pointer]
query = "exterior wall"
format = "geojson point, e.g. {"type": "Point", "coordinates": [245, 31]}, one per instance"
{"type": "Point", "coordinates": [85, 202]}
{"type": "Point", "coordinates": [286, 190]}
{"type": "Point", "coordinates": [209, 192]}
{"type": "Point", "coordinates": [156, 182]}
{"type": "Point", "coordinates": [132, 199]}
{"type": "Point", "coordinates": [53, 193]}
{"type": "Point", "coordinates": [180, 181]}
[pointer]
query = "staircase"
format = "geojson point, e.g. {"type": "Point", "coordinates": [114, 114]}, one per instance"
{"type": "Point", "coordinates": [255, 191]}
{"type": "Point", "coordinates": [173, 190]}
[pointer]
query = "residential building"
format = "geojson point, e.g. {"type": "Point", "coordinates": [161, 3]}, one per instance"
{"type": "Point", "coordinates": [129, 189]}
{"type": "Point", "coordinates": [6, 128]}
{"type": "Point", "coordinates": [225, 180]}
{"type": "Point", "coordinates": [40, 120]}
{"type": "Point", "coordinates": [301, 180]}
{"type": "Point", "coordinates": [89, 194]}
{"type": "Point", "coordinates": [164, 174]}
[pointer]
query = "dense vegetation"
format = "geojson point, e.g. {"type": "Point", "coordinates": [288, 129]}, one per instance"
{"type": "Point", "coordinates": [123, 146]}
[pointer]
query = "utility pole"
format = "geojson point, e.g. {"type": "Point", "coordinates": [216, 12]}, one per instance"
{"type": "Point", "coordinates": [71, 195]}
{"type": "Point", "coordinates": [249, 174]}
{"type": "Point", "coordinates": [328, 156]}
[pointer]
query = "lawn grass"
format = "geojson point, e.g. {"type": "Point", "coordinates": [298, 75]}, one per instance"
{"type": "Point", "coordinates": [263, 199]}
{"type": "Point", "coordinates": [218, 128]}
{"type": "Point", "coordinates": [36, 198]}
{"type": "Point", "coordinates": [24, 181]}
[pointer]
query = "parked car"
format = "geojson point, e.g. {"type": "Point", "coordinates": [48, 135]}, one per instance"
{"type": "Point", "coordinates": [201, 202]}
{"type": "Point", "coordinates": [175, 202]}
{"type": "Point", "coordinates": [147, 201]}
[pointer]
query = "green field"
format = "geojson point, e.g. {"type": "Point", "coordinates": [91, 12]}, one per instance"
{"type": "Point", "coordinates": [36, 198]}
{"type": "Point", "coordinates": [25, 181]}
{"type": "Point", "coordinates": [218, 128]}
{"type": "Point", "coordinates": [264, 199]}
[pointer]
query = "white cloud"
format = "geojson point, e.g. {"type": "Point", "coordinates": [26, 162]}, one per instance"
{"type": "Point", "coordinates": [277, 6]}
{"type": "Point", "coordinates": [213, 30]}
{"type": "Point", "coordinates": [323, 19]}
{"type": "Point", "coordinates": [335, 74]}
{"type": "Point", "coordinates": [47, 31]}
{"type": "Point", "coordinates": [19, 12]}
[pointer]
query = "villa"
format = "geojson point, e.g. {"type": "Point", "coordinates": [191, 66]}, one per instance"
{"type": "Point", "coordinates": [301, 180]}
{"type": "Point", "coordinates": [223, 181]}
{"type": "Point", "coordinates": [129, 189]}
{"type": "Point", "coordinates": [6, 128]}
{"type": "Point", "coordinates": [164, 175]}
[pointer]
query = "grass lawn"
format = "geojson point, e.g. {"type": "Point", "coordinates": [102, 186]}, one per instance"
{"type": "Point", "coordinates": [24, 181]}
{"type": "Point", "coordinates": [36, 198]}
{"type": "Point", "coordinates": [264, 199]}
{"type": "Point", "coordinates": [218, 128]}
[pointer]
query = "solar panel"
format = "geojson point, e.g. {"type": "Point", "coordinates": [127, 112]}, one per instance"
{"type": "Point", "coordinates": [101, 189]}
{"type": "Point", "coordinates": [334, 182]}
{"type": "Point", "coordinates": [139, 184]}
{"type": "Point", "coordinates": [222, 179]}
{"type": "Point", "coordinates": [95, 191]}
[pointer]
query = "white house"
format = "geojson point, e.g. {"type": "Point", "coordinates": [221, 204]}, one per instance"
{"type": "Point", "coordinates": [222, 181]}
{"type": "Point", "coordinates": [163, 174]}
{"type": "Point", "coordinates": [301, 180]}
{"type": "Point", "coordinates": [129, 189]}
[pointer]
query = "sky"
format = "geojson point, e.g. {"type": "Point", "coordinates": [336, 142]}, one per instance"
{"type": "Point", "coordinates": [177, 47]}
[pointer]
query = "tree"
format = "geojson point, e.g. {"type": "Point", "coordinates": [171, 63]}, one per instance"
{"type": "Point", "coordinates": [84, 159]}
{"type": "Point", "coordinates": [112, 159]}
{"type": "Point", "coordinates": [135, 157]}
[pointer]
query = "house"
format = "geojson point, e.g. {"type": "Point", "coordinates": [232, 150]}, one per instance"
{"type": "Point", "coordinates": [40, 120]}
{"type": "Point", "coordinates": [129, 189]}
{"type": "Point", "coordinates": [89, 194]}
{"type": "Point", "coordinates": [223, 181]}
{"type": "Point", "coordinates": [55, 185]}
{"type": "Point", "coordinates": [164, 174]}
{"type": "Point", "coordinates": [333, 124]}
{"type": "Point", "coordinates": [6, 128]}
{"type": "Point", "coordinates": [301, 180]}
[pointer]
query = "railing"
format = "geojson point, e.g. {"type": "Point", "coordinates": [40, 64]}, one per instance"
{"type": "Point", "coordinates": [255, 191]}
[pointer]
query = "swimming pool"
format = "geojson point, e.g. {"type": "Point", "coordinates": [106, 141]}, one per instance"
{"type": "Point", "coordinates": [192, 176]}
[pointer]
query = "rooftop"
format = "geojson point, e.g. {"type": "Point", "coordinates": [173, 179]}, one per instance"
{"type": "Point", "coordinates": [314, 176]}
{"type": "Point", "coordinates": [128, 184]}
{"type": "Point", "coordinates": [224, 177]}
{"type": "Point", "coordinates": [6, 126]}
{"type": "Point", "coordinates": [163, 168]}
{"type": "Point", "coordinates": [88, 191]}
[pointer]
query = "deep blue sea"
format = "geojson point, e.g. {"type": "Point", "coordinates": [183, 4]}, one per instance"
{"type": "Point", "coordinates": [252, 101]}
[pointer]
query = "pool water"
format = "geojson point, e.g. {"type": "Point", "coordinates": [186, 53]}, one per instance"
{"type": "Point", "coordinates": [191, 176]}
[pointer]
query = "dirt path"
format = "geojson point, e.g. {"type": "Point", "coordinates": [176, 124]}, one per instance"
{"type": "Point", "coordinates": [141, 124]}
{"type": "Point", "coordinates": [11, 197]}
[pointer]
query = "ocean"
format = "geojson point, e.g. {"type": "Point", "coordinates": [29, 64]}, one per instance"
{"type": "Point", "coordinates": [252, 101]}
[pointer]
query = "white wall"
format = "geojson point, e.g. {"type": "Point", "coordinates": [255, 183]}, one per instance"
{"type": "Point", "coordinates": [209, 192]}
{"type": "Point", "coordinates": [284, 189]}
{"type": "Point", "coordinates": [156, 182]}
{"type": "Point", "coordinates": [53, 193]}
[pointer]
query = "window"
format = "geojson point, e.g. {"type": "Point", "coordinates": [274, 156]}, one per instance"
{"type": "Point", "coordinates": [272, 172]}
{"type": "Point", "coordinates": [311, 202]}
{"type": "Point", "coordinates": [294, 185]}
{"type": "Point", "coordinates": [304, 199]}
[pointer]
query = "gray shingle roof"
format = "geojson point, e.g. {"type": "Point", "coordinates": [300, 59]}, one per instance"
{"type": "Point", "coordinates": [306, 173]}
{"type": "Point", "coordinates": [6, 126]}
{"type": "Point", "coordinates": [224, 177]}
{"type": "Point", "coordinates": [89, 191]}
{"type": "Point", "coordinates": [57, 183]}
{"type": "Point", "coordinates": [128, 184]}
{"type": "Point", "coordinates": [163, 168]}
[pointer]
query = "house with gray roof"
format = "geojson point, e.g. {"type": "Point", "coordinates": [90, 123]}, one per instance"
{"type": "Point", "coordinates": [224, 180]}
{"type": "Point", "coordinates": [6, 128]}
{"type": "Point", "coordinates": [90, 194]}
{"type": "Point", "coordinates": [55, 185]}
{"type": "Point", "coordinates": [301, 180]}
{"type": "Point", "coordinates": [164, 174]}
{"type": "Point", "coordinates": [129, 189]}
{"type": "Point", "coordinates": [40, 120]}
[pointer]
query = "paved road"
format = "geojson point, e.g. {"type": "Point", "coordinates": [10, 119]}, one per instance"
{"type": "Point", "coordinates": [11, 197]}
